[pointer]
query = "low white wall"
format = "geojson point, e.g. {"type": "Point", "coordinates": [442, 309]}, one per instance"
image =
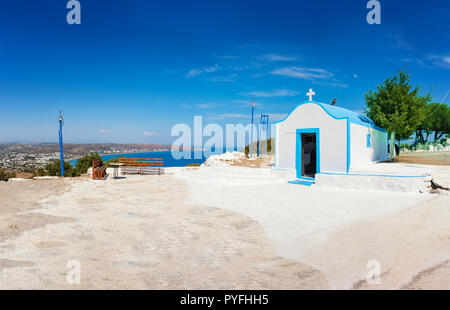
{"type": "Point", "coordinates": [392, 184]}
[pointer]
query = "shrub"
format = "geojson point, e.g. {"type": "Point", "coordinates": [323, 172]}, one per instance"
{"type": "Point", "coordinates": [85, 162]}
{"type": "Point", "coordinates": [40, 172]}
{"type": "Point", "coordinates": [193, 165]}
{"type": "Point", "coordinates": [54, 169]}
{"type": "Point", "coordinates": [405, 146]}
{"type": "Point", "coordinates": [108, 163]}
{"type": "Point", "coordinates": [5, 176]}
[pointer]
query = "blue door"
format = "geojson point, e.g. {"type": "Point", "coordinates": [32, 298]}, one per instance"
{"type": "Point", "coordinates": [307, 157]}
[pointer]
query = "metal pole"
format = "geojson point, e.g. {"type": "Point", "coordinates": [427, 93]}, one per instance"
{"type": "Point", "coordinates": [263, 121]}
{"type": "Point", "coordinates": [267, 136]}
{"type": "Point", "coordinates": [251, 135]}
{"type": "Point", "coordinates": [61, 154]}
{"type": "Point", "coordinates": [257, 140]}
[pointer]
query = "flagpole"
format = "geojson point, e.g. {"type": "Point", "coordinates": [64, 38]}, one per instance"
{"type": "Point", "coordinates": [61, 154]}
{"type": "Point", "coordinates": [251, 136]}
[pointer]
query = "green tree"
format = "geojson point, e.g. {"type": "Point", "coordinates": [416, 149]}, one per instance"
{"type": "Point", "coordinates": [397, 107]}
{"type": "Point", "coordinates": [425, 126]}
{"type": "Point", "coordinates": [437, 121]}
{"type": "Point", "coordinates": [54, 169]}
{"type": "Point", "coordinates": [85, 162]}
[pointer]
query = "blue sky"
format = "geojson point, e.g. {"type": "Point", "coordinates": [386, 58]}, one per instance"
{"type": "Point", "coordinates": [133, 69]}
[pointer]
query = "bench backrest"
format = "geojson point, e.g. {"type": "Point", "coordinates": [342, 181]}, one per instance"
{"type": "Point", "coordinates": [98, 170]}
{"type": "Point", "coordinates": [142, 162]}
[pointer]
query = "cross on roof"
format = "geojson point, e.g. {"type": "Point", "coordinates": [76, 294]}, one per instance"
{"type": "Point", "coordinates": [310, 94]}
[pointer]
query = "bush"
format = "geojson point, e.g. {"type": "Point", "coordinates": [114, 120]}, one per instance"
{"type": "Point", "coordinates": [54, 169]}
{"type": "Point", "coordinates": [5, 176]}
{"type": "Point", "coordinates": [84, 163]}
{"type": "Point", "coordinates": [193, 165]}
{"type": "Point", "coordinates": [40, 172]}
{"type": "Point", "coordinates": [264, 143]}
{"type": "Point", "coordinates": [108, 163]}
{"type": "Point", "coordinates": [405, 146]}
{"type": "Point", "coordinates": [269, 145]}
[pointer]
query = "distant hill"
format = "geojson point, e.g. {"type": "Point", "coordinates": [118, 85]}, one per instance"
{"type": "Point", "coordinates": [77, 150]}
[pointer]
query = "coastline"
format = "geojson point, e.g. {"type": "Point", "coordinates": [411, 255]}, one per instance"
{"type": "Point", "coordinates": [169, 161]}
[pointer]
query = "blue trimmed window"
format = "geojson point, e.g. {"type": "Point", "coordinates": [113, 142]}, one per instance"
{"type": "Point", "coordinates": [368, 141]}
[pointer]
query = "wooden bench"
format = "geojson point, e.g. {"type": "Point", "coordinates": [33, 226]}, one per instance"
{"type": "Point", "coordinates": [142, 166]}
{"type": "Point", "coordinates": [98, 171]}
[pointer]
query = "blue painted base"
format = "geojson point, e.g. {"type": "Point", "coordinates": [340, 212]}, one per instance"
{"type": "Point", "coordinates": [302, 182]}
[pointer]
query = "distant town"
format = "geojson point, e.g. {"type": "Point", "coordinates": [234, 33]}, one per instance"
{"type": "Point", "coordinates": [29, 157]}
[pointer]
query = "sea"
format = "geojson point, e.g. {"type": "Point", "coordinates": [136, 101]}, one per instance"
{"type": "Point", "coordinates": [189, 157]}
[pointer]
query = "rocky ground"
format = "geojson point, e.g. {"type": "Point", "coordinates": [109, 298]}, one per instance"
{"type": "Point", "coordinates": [134, 233]}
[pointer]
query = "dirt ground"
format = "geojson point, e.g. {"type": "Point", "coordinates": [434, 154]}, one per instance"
{"type": "Point", "coordinates": [425, 158]}
{"type": "Point", "coordinates": [339, 231]}
{"type": "Point", "coordinates": [260, 162]}
{"type": "Point", "coordinates": [19, 197]}
{"type": "Point", "coordinates": [134, 233]}
{"type": "Point", "coordinates": [21, 174]}
{"type": "Point", "coordinates": [173, 232]}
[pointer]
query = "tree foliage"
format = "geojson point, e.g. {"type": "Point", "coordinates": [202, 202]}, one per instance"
{"type": "Point", "coordinates": [54, 169]}
{"type": "Point", "coordinates": [85, 162]}
{"type": "Point", "coordinates": [82, 166]}
{"type": "Point", "coordinates": [437, 121]}
{"type": "Point", "coordinates": [109, 162]}
{"type": "Point", "coordinates": [397, 106]}
{"type": "Point", "coordinates": [5, 176]}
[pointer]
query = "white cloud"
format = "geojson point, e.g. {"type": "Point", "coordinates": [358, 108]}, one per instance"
{"type": "Point", "coordinates": [228, 115]}
{"type": "Point", "coordinates": [275, 117]}
{"type": "Point", "coordinates": [104, 131]}
{"type": "Point", "coordinates": [274, 93]}
{"type": "Point", "coordinates": [212, 68]}
{"type": "Point", "coordinates": [338, 85]}
{"type": "Point", "coordinates": [150, 133]}
{"type": "Point", "coordinates": [315, 75]}
{"type": "Point", "coordinates": [355, 76]}
{"type": "Point", "coordinates": [440, 60]}
{"type": "Point", "coordinates": [194, 72]}
{"type": "Point", "coordinates": [278, 57]}
{"type": "Point", "coordinates": [185, 106]}
{"type": "Point", "coordinates": [397, 41]}
{"type": "Point", "coordinates": [303, 73]}
{"type": "Point", "coordinates": [209, 105]}
{"type": "Point", "coordinates": [225, 78]}
{"type": "Point", "coordinates": [198, 71]}
{"type": "Point", "coordinates": [246, 103]}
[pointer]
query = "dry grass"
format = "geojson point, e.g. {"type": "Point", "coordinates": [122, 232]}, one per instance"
{"type": "Point", "coordinates": [425, 158]}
